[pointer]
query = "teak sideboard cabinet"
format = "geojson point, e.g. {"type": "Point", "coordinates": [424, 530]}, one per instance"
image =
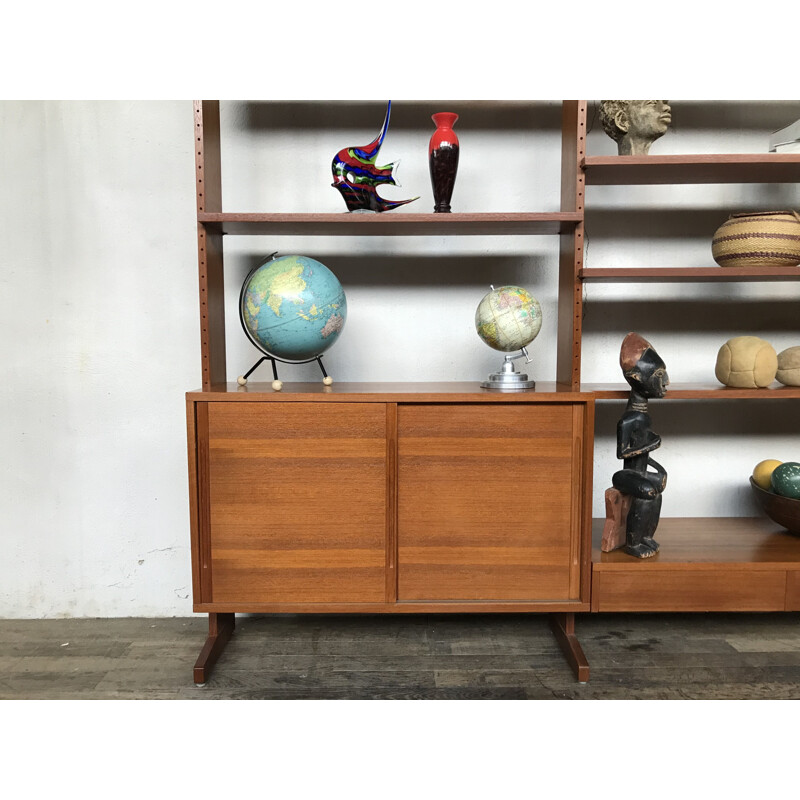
{"type": "Point", "coordinates": [371, 498]}
{"type": "Point", "coordinates": [403, 498]}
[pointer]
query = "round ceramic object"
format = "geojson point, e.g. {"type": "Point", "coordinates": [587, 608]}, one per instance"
{"type": "Point", "coordinates": [746, 362]}
{"type": "Point", "coordinates": [789, 366]}
{"type": "Point", "coordinates": [785, 480]}
{"type": "Point", "coordinates": [762, 472]}
{"type": "Point", "coordinates": [765, 239]}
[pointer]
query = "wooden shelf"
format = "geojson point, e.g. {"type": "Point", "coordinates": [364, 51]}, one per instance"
{"type": "Point", "coordinates": [704, 564]}
{"type": "Point", "coordinates": [701, 541]}
{"type": "Point", "coordinates": [470, 392]}
{"type": "Point", "coordinates": [455, 392]}
{"type": "Point", "coordinates": [675, 169]}
{"type": "Point", "coordinates": [696, 391]}
{"type": "Point", "coordinates": [391, 224]}
{"type": "Point", "coordinates": [681, 274]}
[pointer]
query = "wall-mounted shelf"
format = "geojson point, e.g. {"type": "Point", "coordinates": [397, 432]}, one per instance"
{"type": "Point", "coordinates": [398, 224]}
{"type": "Point", "coordinates": [727, 168]}
{"type": "Point", "coordinates": [696, 391]}
{"type": "Point", "coordinates": [685, 274]}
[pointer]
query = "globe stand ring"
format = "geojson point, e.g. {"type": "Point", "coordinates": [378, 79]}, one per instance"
{"type": "Point", "coordinates": [508, 379]}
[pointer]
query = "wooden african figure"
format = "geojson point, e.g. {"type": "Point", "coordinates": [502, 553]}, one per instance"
{"type": "Point", "coordinates": [641, 480]}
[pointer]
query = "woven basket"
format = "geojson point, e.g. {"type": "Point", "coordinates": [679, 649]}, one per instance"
{"type": "Point", "coordinates": [763, 239]}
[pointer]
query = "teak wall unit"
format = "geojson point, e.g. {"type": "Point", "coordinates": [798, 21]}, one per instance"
{"type": "Point", "coordinates": [722, 564]}
{"type": "Point", "coordinates": [271, 473]}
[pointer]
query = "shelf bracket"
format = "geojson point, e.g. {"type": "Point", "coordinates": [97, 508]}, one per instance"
{"type": "Point", "coordinates": [563, 626]}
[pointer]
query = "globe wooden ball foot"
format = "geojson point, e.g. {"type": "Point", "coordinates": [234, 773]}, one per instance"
{"type": "Point", "coordinates": [327, 380]}
{"type": "Point", "coordinates": [277, 385]}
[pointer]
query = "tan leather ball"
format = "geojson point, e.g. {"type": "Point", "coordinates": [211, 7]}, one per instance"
{"type": "Point", "coordinates": [746, 362]}
{"type": "Point", "coordinates": [789, 366]}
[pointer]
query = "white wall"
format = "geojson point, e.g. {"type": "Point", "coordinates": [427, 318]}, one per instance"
{"type": "Point", "coordinates": [98, 317]}
{"type": "Point", "coordinates": [100, 340]}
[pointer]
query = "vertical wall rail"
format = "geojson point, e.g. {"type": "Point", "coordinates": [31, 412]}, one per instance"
{"type": "Point", "coordinates": [208, 174]}
{"type": "Point", "coordinates": [570, 291]}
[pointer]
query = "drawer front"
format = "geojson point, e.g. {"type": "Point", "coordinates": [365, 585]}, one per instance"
{"type": "Point", "coordinates": [695, 590]}
{"type": "Point", "coordinates": [296, 502]}
{"type": "Point", "coordinates": [488, 502]}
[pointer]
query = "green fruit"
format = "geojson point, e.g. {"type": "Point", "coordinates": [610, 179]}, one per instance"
{"type": "Point", "coordinates": [785, 480]}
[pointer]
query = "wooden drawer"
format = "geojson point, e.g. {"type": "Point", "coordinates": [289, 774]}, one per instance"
{"type": "Point", "coordinates": [296, 506]}
{"type": "Point", "coordinates": [727, 589]}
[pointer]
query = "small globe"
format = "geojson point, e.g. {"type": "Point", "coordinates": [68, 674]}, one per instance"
{"type": "Point", "coordinates": [293, 308]}
{"type": "Point", "coordinates": [508, 318]}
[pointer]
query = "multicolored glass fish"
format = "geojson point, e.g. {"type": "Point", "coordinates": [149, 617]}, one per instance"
{"type": "Point", "coordinates": [357, 177]}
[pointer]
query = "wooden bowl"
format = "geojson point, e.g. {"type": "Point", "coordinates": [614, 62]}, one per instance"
{"type": "Point", "coordinates": [783, 510]}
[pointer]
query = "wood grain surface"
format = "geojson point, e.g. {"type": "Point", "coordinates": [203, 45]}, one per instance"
{"type": "Point", "coordinates": [695, 590]}
{"type": "Point", "coordinates": [297, 498]}
{"type": "Point", "coordinates": [396, 224]}
{"type": "Point", "coordinates": [724, 564]}
{"type": "Point", "coordinates": [680, 274]}
{"type": "Point", "coordinates": [208, 178]}
{"type": "Point", "coordinates": [793, 590]}
{"type": "Point", "coordinates": [694, 168]}
{"type": "Point", "coordinates": [696, 391]}
{"type": "Point", "coordinates": [485, 502]}
{"type": "Point", "coordinates": [380, 392]}
{"type": "Point", "coordinates": [753, 542]}
{"type": "Point", "coordinates": [571, 244]}
{"type": "Point", "coordinates": [427, 656]}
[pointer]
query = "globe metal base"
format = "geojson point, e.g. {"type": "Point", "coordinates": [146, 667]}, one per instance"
{"type": "Point", "coordinates": [505, 382]}
{"type": "Point", "coordinates": [508, 379]}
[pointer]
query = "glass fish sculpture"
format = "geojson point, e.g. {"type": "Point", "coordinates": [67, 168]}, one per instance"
{"type": "Point", "coordinates": [357, 177]}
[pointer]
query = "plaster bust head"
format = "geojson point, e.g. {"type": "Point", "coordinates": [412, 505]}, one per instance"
{"type": "Point", "coordinates": [635, 124]}
{"type": "Point", "coordinates": [642, 367]}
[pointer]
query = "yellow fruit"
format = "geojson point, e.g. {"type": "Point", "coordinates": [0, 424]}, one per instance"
{"type": "Point", "coordinates": [762, 472]}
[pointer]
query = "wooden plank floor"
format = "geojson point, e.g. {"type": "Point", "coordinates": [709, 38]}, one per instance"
{"type": "Point", "coordinates": [647, 656]}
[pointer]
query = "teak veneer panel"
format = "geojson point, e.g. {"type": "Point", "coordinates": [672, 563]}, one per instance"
{"type": "Point", "coordinates": [697, 590]}
{"type": "Point", "coordinates": [380, 392]}
{"type": "Point", "coordinates": [485, 502]}
{"type": "Point", "coordinates": [728, 564]}
{"type": "Point", "coordinates": [395, 224]}
{"type": "Point", "coordinates": [693, 169]}
{"type": "Point", "coordinates": [696, 391]}
{"type": "Point", "coordinates": [793, 590]}
{"type": "Point", "coordinates": [315, 502]}
{"type": "Point", "coordinates": [681, 274]}
{"type": "Point", "coordinates": [297, 502]}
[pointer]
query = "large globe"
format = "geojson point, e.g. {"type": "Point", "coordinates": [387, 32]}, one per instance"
{"type": "Point", "coordinates": [293, 308]}
{"type": "Point", "coordinates": [508, 318]}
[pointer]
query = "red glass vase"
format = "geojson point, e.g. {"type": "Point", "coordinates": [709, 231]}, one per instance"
{"type": "Point", "coordinates": [443, 160]}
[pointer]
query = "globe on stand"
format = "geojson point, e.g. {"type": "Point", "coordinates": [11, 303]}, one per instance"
{"type": "Point", "coordinates": [292, 308]}
{"type": "Point", "coordinates": [508, 319]}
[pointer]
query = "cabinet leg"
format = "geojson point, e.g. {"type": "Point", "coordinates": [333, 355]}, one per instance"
{"type": "Point", "coordinates": [220, 628]}
{"type": "Point", "coordinates": [563, 626]}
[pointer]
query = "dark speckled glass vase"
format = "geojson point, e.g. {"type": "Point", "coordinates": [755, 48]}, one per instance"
{"type": "Point", "coordinates": [443, 160]}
